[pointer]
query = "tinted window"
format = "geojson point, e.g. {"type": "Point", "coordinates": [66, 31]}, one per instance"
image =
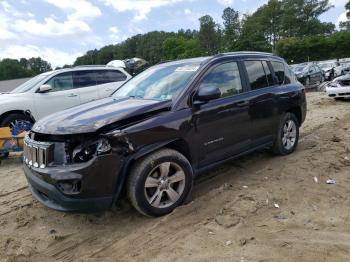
{"type": "Point", "coordinates": [61, 82]}
{"type": "Point", "coordinates": [256, 74]}
{"type": "Point", "coordinates": [84, 79]}
{"type": "Point", "coordinates": [278, 67]}
{"type": "Point", "coordinates": [268, 73]}
{"type": "Point", "coordinates": [226, 77]}
{"type": "Point", "coordinates": [290, 76]}
{"type": "Point", "coordinates": [109, 76]}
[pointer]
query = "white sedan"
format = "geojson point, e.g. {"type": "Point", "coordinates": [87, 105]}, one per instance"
{"type": "Point", "coordinates": [57, 90]}
{"type": "Point", "coordinates": [339, 88]}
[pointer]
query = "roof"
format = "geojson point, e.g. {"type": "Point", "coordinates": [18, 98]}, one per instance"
{"type": "Point", "coordinates": [201, 60]}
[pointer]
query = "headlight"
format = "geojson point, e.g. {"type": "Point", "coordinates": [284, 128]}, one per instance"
{"type": "Point", "coordinates": [87, 151]}
{"type": "Point", "coordinates": [333, 84]}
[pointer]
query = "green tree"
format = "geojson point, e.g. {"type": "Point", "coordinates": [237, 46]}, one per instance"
{"type": "Point", "coordinates": [232, 29]}
{"type": "Point", "coordinates": [11, 69]}
{"type": "Point", "coordinates": [301, 18]}
{"type": "Point", "coordinates": [38, 65]}
{"type": "Point", "coordinates": [209, 35]}
{"type": "Point", "coordinates": [345, 25]}
{"type": "Point", "coordinates": [178, 47]}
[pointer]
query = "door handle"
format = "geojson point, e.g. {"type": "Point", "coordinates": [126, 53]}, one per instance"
{"type": "Point", "coordinates": [108, 89]}
{"type": "Point", "coordinates": [243, 103]}
{"type": "Point", "coordinates": [72, 95]}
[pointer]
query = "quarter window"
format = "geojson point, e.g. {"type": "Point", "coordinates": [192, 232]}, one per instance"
{"type": "Point", "coordinates": [61, 82]}
{"type": "Point", "coordinates": [109, 76]}
{"type": "Point", "coordinates": [279, 71]}
{"type": "Point", "coordinates": [256, 74]}
{"type": "Point", "coordinates": [84, 79]}
{"type": "Point", "coordinates": [226, 77]}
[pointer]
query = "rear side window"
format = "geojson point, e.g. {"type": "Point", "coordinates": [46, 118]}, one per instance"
{"type": "Point", "coordinates": [278, 67]}
{"type": "Point", "coordinates": [226, 77]}
{"type": "Point", "coordinates": [256, 74]}
{"type": "Point", "coordinates": [84, 79]}
{"type": "Point", "coordinates": [109, 76]}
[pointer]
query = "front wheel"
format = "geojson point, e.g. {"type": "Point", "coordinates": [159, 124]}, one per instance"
{"type": "Point", "coordinates": [287, 135]}
{"type": "Point", "coordinates": [160, 182]}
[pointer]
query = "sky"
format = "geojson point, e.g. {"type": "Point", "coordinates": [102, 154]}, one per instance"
{"type": "Point", "coordinates": [61, 30]}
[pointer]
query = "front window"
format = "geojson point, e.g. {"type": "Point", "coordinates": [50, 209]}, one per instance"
{"type": "Point", "coordinates": [163, 82]}
{"type": "Point", "coordinates": [26, 86]}
{"type": "Point", "coordinates": [61, 82]}
{"type": "Point", "coordinates": [226, 78]}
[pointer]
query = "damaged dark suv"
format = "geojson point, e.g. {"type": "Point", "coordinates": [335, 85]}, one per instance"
{"type": "Point", "coordinates": [162, 128]}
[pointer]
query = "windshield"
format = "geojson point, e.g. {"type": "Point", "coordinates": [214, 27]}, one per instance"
{"type": "Point", "coordinates": [163, 82]}
{"type": "Point", "coordinates": [299, 69]}
{"type": "Point", "coordinates": [26, 86]}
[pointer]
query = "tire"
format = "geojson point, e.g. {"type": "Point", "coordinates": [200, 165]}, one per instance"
{"type": "Point", "coordinates": [154, 200]}
{"type": "Point", "coordinates": [4, 155]}
{"type": "Point", "coordinates": [12, 118]}
{"type": "Point", "coordinates": [281, 145]}
{"type": "Point", "coordinates": [339, 98]}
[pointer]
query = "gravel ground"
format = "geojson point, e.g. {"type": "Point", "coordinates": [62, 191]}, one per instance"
{"type": "Point", "coordinates": [257, 208]}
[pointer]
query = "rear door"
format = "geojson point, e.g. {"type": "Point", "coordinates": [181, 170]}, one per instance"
{"type": "Point", "coordinates": [63, 95]}
{"type": "Point", "coordinates": [85, 84]}
{"type": "Point", "coordinates": [262, 101]}
{"type": "Point", "coordinates": [109, 81]}
{"type": "Point", "coordinates": [222, 125]}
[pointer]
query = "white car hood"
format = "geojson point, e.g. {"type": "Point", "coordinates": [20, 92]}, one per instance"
{"type": "Point", "coordinates": [8, 97]}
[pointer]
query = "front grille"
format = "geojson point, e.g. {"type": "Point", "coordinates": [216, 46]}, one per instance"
{"type": "Point", "coordinates": [37, 154]}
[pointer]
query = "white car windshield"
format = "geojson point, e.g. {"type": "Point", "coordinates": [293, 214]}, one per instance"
{"type": "Point", "coordinates": [163, 82]}
{"type": "Point", "coordinates": [28, 85]}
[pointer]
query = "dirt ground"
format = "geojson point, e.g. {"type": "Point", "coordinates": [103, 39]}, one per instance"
{"type": "Point", "coordinates": [257, 208]}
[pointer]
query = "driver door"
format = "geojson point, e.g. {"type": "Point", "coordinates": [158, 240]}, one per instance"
{"type": "Point", "coordinates": [63, 95]}
{"type": "Point", "coordinates": [222, 125]}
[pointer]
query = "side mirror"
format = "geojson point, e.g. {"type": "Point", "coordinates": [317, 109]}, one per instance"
{"type": "Point", "coordinates": [44, 88]}
{"type": "Point", "coordinates": [207, 93]}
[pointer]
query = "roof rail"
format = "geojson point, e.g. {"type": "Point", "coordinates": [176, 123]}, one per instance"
{"type": "Point", "coordinates": [248, 53]}
{"type": "Point", "coordinates": [79, 66]}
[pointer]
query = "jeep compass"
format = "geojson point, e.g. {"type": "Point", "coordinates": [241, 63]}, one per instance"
{"type": "Point", "coordinates": [159, 130]}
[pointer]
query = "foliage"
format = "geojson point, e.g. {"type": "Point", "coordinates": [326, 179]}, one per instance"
{"type": "Point", "coordinates": [315, 48]}
{"type": "Point", "coordinates": [12, 68]}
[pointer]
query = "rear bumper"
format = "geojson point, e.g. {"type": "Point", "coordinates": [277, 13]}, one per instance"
{"type": "Point", "coordinates": [50, 196]}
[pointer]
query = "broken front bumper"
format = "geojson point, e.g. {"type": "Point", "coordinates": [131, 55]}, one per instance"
{"type": "Point", "coordinates": [85, 187]}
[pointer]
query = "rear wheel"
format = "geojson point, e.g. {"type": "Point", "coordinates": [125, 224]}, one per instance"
{"type": "Point", "coordinates": [160, 182]}
{"type": "Point", "coordinates": [287, 135]}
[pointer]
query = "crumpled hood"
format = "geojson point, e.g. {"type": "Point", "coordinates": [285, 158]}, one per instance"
{"type": "Point", "coordinates": [90, 117]}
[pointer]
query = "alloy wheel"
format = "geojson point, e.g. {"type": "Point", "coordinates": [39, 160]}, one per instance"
{"type": "Point", "coordinates": [289, 134]}
{"type": "Point", "coordinates": [164, 185]}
